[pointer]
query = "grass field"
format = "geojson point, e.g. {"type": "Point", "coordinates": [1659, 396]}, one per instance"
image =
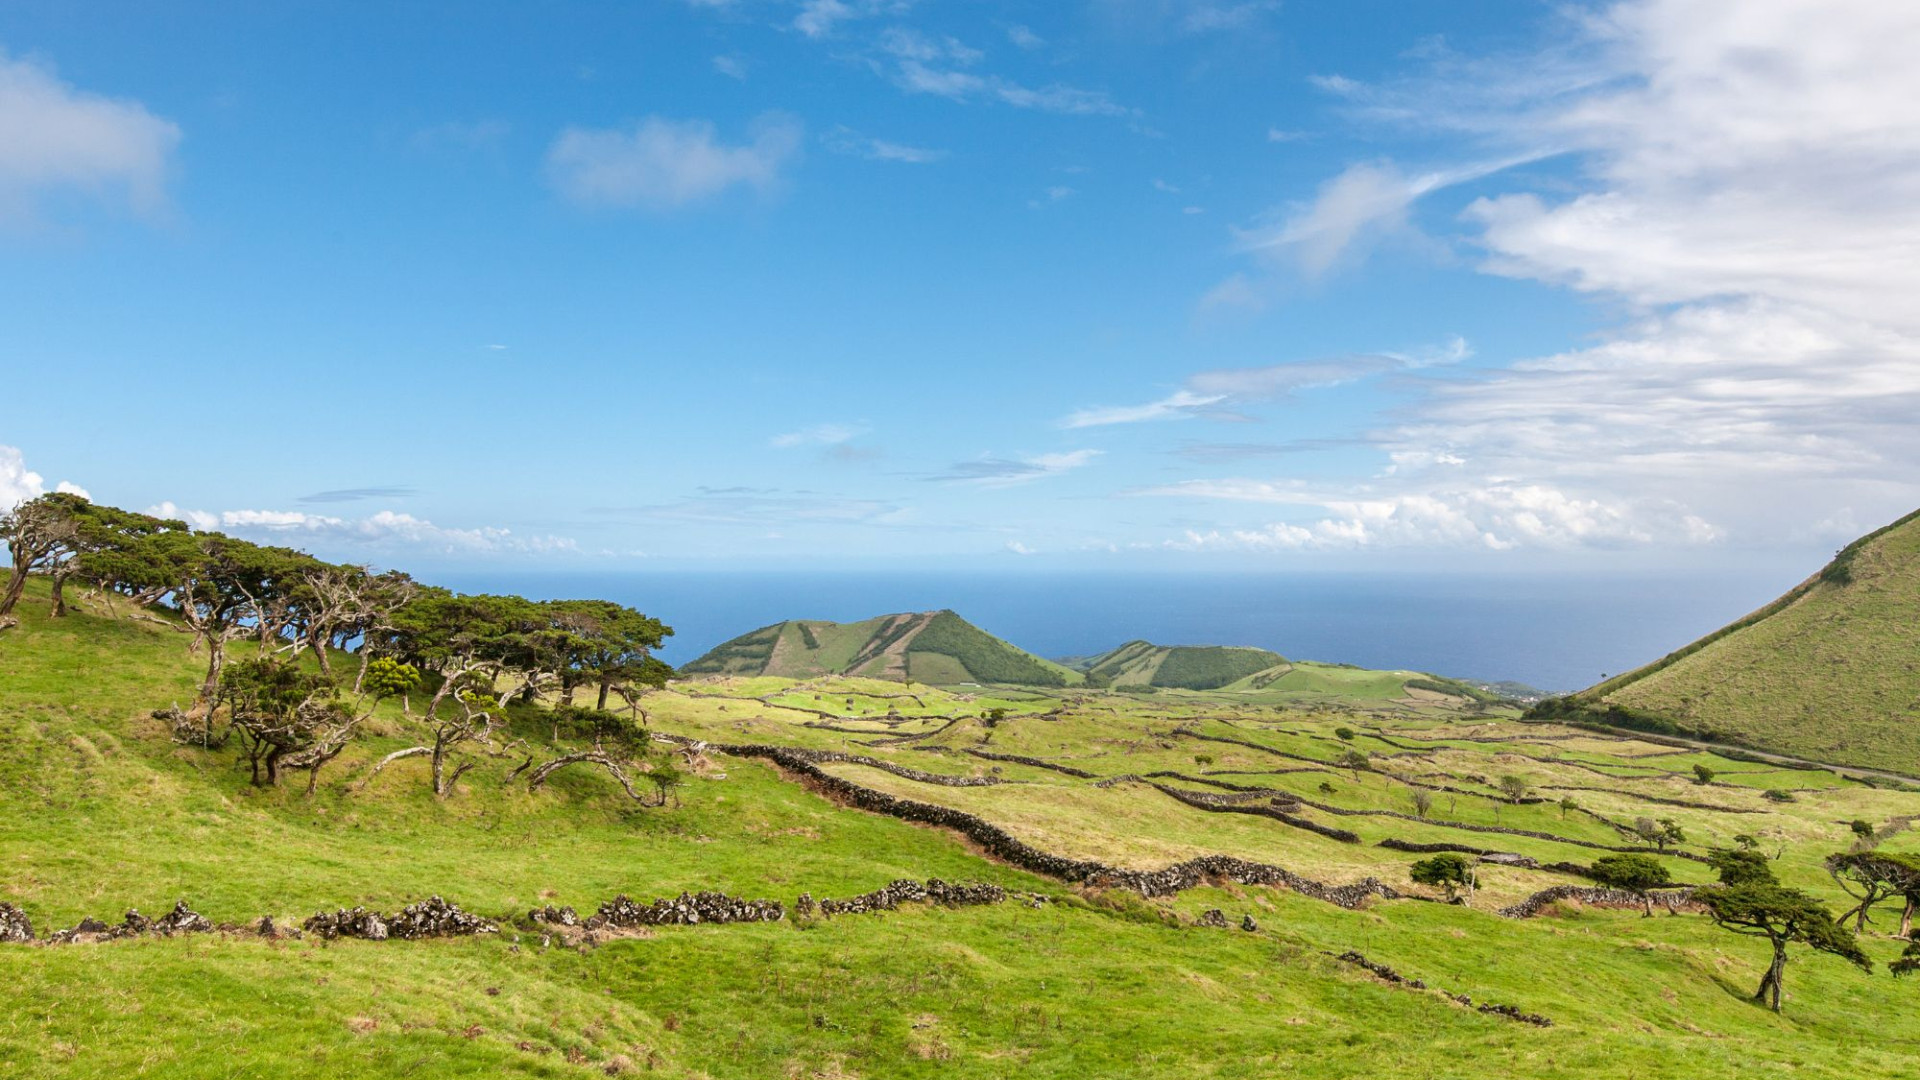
{"type": "Point", "coordinates": [100, 811]}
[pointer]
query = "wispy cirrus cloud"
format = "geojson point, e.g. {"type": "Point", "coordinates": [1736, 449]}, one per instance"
{"type": "Point", "coordinates": [1216, 393]}
{"type": "Point", "coordinates": [992, 471]}
{"type": "Point", "coordinates": [356, 494]}
{"type": "Point", "coordinates": [662, 164]}
{"type": "Point", "coordinates": [817, 435]}
{"type": "Point", "coordinates": [845, 140]}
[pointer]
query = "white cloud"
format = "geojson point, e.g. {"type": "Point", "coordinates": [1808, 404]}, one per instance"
{"type": "Point", "coordinates": [818, 17]}
{"type": "Point", "coordinates": [1497, 517]}
{"type": "Point", "coordinates": [1024, 37]}
{"type": "Point", "coordinates": [817, 435]}
{"type": "Point", "coordinates": [845, 140]}
{"type": "Point", "coordinates": [19, 483]}
{"type": "Point", "coordinates": [1212, 393]}
{"type": "Point", "coordinates": [1018, 548]}
{"type": "Point", "coordinates": [1743, 190]}
{"type": "Point", "coordinates": [663, 163]}
{"type": "Point", "coordinates": [733, 67]}
{"type": "Point", "coordinates": [54, 137]}
{"type": "Point", "coordinates": [996, 472]}
{"type": "Point", "coordinates": [385, 529]}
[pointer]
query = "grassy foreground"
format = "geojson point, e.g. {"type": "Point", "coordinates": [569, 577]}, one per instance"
{"type": "Point", "coordinates": [99, 811]}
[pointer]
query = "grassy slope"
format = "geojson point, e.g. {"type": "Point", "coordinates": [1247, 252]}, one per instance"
{"type": "Point", "coordinates": [1186, 667]}
{"type": "Point", "coordinates": [1830, 672]}
{"type": "Point", "coordinates": [102, 811]}
{"type": "Point", "coordinates": [939, 648]}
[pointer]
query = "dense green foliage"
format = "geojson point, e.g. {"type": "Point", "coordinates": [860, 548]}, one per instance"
{"type": "Point", "coordinates": [987, 658]}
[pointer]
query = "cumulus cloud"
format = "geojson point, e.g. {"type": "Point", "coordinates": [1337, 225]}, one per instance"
{"type": "Point", "coordinates": [661, 164]}
{"type": "Point", "coordinates": [1741, 186]}
{"type": "Point", "coordinates": [991, 471]}
{"type": "Point", "coordinates": [19, 483]}
{"type": "Point", "coordinates": [385, 530]}
{"type": "Point", "coordinates": [55, 137]}
{"type": "Point", "coordinates": [1496, 517]}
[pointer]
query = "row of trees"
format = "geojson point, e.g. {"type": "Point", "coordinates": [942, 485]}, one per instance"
{"type": "Point", "coordinates": [472, 655]}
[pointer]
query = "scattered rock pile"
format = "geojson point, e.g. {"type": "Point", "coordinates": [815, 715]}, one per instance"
{"type": "Point", "coordinates": [15, 927]}
{"type": "Point", "coordinates": [181, 920]}
{"type": "Point", "coordinates": [554, 916]}
{"type": "Point", "coordinates": [1213, 917]}
{"type": "Point", "coordinates": [687, 909]}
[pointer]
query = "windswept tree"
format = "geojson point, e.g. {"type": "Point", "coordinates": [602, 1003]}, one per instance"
{"type": "Point", "coordinates": [608, 645]}
{"type": "Point", "coordinates": [1515, 788]}
{"type": "Point", "coordinates": [214, 583]}
{"type": "Point", "coordinates": [1871, 877]}
{"type": "Point", "coordinates": [38, 533]}
{"type": "Point", "coordinates": [285, 718]}
{"type": "Point", "coordinates": [462, 714]}
{"type": "Point", "coordinates": [1422, 802]}
{"type": "Point", "coordinates": [1637, 874]}
{"type": "Point", "coordinates": [1784, 917]}
{"type": "Point", "coordinates": [1449, 871]}
{"type": "Point", "coordinates": [618, 746]}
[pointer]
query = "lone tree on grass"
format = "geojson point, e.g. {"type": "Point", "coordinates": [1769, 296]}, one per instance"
{"type": "Point", "coordinates": [1784, 917]}
{"type": "Point", "coordinates": [1448, 871]}
{"type": "Point", "coordinates": [1422, 802]}
{"type": "Point", "coordinates": [1355, 762]}
{"type": "Point", "coordinates": [1741, 866]}
{"type": "Point", "coordinates": [1637, 874]}
{"type": "Point", "coordinates": [1514, 788]}
{"type": "Point", "coordinates": [1344, 734]}
{"type": "Point", "coordinates": [1661, 833]}
{"type": "Point", "coordinates": [1702, 775]}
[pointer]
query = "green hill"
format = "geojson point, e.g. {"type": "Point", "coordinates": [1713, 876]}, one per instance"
{"type": "Point", "coordinates": [1830, 671]}
{"type": "Point", "coordinates": [934, 647]}
{"type": "Point", "coordinates": [1179, 667]}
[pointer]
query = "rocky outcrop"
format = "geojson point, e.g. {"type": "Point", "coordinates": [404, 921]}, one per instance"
{"type": "Point", "coordinates": [432, 917]}
{"type": "Point", "coordinates": [1213, 917]}
{"type": "Point", "coordinates": [687, 909]}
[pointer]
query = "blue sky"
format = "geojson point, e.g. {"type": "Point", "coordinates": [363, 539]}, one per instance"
{"type": "Point", "coordinates": [1123, 283]}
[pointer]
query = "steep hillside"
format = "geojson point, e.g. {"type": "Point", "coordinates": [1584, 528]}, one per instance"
{"type": "Point", "coordinates": [934, 647]}
{"type": "Point", "coordinates": [1829, 671]}
{"type": "Point", "coordinates": [1181, 667]}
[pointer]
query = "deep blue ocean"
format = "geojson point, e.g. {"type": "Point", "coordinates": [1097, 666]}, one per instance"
{"type": "Point", "coordinates": [1553, 632]}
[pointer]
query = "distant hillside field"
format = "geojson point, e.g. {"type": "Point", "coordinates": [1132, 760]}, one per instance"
{"type": "Point", "coordinates": [1181, 667]}
{"type": "Point", "coordinates": [1830, 671]}
{"type": "Point", "coordinates": [935, 647]}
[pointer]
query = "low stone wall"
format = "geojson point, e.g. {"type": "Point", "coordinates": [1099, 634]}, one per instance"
{"type": "Point", "coordinates": [998, 843]}
{"type": "Point", "coordinates": [892, 895]}
{"type": "Point", "coordinates": [1595, 896]}
{"type": "Point", "coordinates": [1038, 763]}
{"type": "Point", "coordinates": [1498, 858]}
{"type": "Point", "coordinates": [1687, 803]}
{"type": "Point", "coordinates": [687, 909]}
{"type": "Point", "coordinates": [432, 917]}
{"type": "Point", "coordinates": [1222, 805]}
{"type": "Point", "coordinates": [942, 779]}
{"type": "Point", "coordinates": [1387, 974]}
